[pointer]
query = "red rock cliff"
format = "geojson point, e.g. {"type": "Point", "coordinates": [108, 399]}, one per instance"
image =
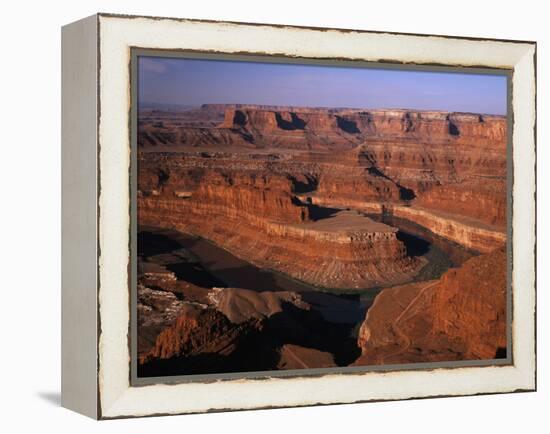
{"type": "Point", "coordinates": [258, 218]}
{"type": "Point", "coordinates": [449, 169]}
{"type": "Point", "coordinates": [461, 316]}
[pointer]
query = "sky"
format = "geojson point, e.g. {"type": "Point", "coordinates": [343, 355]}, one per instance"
{"type": "Point", "coordinates": [194, 82]}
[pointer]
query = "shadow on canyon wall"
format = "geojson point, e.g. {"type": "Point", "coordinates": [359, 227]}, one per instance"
{"type": "Point", "coordinates": [259, 349]}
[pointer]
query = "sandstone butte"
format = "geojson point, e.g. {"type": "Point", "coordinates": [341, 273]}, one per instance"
{"type": "Point", "coordinates": [289, 188]}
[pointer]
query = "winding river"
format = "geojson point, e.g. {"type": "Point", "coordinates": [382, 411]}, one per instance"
{"type": "Point", "coordinates": [223, 269]}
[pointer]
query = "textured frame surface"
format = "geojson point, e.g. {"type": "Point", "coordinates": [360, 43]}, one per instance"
{"type": "Point", "coordinates": [116, 37]}
{"type": "Point", "coordinates": [79, 242]}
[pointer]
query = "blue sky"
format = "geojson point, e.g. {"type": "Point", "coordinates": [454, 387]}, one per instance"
{"type": "Point", "coordinates": [198, 81]}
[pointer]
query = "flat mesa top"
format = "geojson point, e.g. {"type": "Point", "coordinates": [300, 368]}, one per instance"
{"type": "Point", "coordinates": [346, 222]}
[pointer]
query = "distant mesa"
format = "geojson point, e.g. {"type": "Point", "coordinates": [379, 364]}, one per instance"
{"type": "Point", "coordinates": [261, 126]}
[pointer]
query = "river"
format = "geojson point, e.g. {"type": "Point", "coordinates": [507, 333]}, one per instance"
{"type": "Point", "coordinates": [223, 269]}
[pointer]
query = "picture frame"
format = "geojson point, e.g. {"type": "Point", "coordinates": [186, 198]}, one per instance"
{"type": "Point", "coordinates": [99, 182]}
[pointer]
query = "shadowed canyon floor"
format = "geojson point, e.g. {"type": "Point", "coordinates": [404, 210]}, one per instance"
{"type": "Point", "coordinates": [289, 238]}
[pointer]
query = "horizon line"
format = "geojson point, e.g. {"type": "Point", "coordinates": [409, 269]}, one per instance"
{"type": "Point", "coordinates": [323, 107]}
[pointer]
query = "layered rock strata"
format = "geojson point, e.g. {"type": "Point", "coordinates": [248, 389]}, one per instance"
{"type": "Point", "coordinates": [268, 228]}
{"type": "Point", "coordinates": [438, 162]}
{"type": "Point", "coordinates": [287, 188]}
{"type": "Point", "coordinates": [461, 316]}
{"type": "Point", "coordinates": [320, 128]}
{"type": "Point", "coordinates": [469, 233]}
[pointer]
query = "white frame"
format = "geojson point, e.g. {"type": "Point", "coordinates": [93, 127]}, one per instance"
{"type": "Point", "coordinates": [107, 392]}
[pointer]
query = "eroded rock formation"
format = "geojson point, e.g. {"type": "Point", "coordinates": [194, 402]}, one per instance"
{"type": "Point", "coordinates": [198, 331]}
{"type": "Point", "coordinates": [439, 162]}
{"type": "Point", "coordinates": [188, 325]}
{"type": "Point", "coordinates": [299, 191]}
{"type": "Point", "coordinates": [258, 218]}
{"type": "Point", "coordinates": [240, 305]}
{"type": "Point", "coordinates": [461, 316]}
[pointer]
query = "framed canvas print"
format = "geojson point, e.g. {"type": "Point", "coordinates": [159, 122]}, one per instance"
{"type": "Point", "coordinates": [259, 216]}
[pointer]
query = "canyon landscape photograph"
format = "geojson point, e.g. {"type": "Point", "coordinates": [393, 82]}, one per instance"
{"type": "Point", "coordinates": [297, 216]}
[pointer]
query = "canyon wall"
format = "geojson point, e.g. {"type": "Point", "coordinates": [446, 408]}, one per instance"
{"type": "Point", "coordinates": [454, 162]}
{"type": "Point", "coordinates": [467, 233]}
{"type": "Point", "coordinates": [261, 175]}
{"type": "Point", "coordinates": [461, 316]}
{"type": "Point", "coordinates": [257, 218]}
{"type": "Point", "coordinates": [289, 189]}
{"type": "Point", "coordinates": [311, 128]}
{"type": "Point", "coordinates": [469, 181]}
